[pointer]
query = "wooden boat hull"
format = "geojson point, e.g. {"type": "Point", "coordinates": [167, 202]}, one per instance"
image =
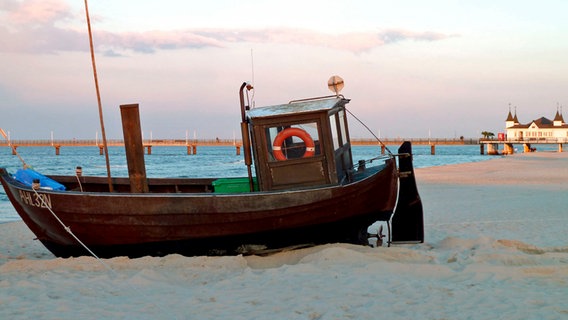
{"type": "Point", "coordinates": [137, 224]}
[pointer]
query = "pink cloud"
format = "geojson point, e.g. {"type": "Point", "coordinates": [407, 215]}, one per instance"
{"type": "Point", "coordinates": [354, 41]}
{"type": "Point", "coordinates": [37, 11]}
{"type": "Point", "coordinates": [35, 26]}
{"type": "Point", "coordinates": [149, 42]}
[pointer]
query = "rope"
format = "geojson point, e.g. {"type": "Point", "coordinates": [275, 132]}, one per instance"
{"type": "Point", "coordinates": [13, 148]}
{"type": "Point", "coordinates": [68, 229]}
{"type": "Point", "coordinates": [79, 181]}
{"type": "Point", "coordinates": [368, 129]}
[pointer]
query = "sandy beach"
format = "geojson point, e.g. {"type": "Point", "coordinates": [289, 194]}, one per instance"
{"type": "Point", "coordinates": [496, 248]}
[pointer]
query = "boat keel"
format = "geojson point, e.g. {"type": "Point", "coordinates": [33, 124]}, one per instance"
{"type": "Point", "coordinates": [346, 231]}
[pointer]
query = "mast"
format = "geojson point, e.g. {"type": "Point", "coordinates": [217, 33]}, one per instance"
{"type": "Point", "coordinates": [105, 147]}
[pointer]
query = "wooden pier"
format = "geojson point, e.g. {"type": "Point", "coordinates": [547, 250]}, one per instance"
{"type": "Point", "coordinates": [487, 146]}
{"type": "Point", "coordinates": [492, 145]}
{"type": "Point", "coordinates": [193, 144]}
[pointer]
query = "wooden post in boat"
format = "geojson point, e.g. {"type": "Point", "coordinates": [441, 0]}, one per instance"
{"type": "Point", "coordinates": [134, 148]}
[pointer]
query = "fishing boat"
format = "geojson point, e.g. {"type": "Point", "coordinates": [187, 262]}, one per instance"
{"type": "Point", "coordinates": [302, 188]}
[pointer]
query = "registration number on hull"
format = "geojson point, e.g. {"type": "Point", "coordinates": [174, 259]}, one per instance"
{"type": "Point", "coordinates": [35, 199]}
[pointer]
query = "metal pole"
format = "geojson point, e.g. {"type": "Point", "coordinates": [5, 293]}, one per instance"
{"type": "Point", "coordinates": [98, 98]}
{"type": "Point", "coordinates": [245, 133]}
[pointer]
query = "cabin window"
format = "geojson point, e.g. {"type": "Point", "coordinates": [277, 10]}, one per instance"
{"type": "Point", "coordinates": [334, 134]}
{"type": "Point", "coordinates": [293, 141]}
{"type": "Point", "coordinates": [343, 129]}
{"type": "Point", "coordinates": [338, 130]}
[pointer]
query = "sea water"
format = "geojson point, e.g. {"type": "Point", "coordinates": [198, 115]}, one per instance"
{"type": "Point", "coordinates": [175, 162]}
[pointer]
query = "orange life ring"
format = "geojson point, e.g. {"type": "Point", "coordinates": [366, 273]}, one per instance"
{"type": "Point", "coordinates": [293, 132]}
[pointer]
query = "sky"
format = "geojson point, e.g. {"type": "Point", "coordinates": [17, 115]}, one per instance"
{"type": "Point", "coordinates": [412, 69]}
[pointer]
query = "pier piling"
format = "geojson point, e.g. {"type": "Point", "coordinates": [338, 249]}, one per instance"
{"type": "Point", "coordinates": [509, 145]}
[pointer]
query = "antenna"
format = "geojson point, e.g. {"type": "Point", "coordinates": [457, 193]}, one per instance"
{"type": "Point", "coordinates": [252, 65]}
{"type": "Point", "coordinates": [335, 84]}
{"type": "Point", "coordinates": [252, 84]}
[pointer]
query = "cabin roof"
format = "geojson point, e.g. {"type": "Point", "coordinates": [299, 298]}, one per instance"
{"type": "Point", "coordinates": [303, 106]}
{"type": "Point", "coordinates": [541, 123]}
{"type": "Point", "coordinates": [510, 117]}
{"type": "Point", "coordinates": [558, 117]}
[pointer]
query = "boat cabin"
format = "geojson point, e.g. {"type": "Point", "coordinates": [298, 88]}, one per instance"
{"type": "Point", "coordinates": [301, 144]}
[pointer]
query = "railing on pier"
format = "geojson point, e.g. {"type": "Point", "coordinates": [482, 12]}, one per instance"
{"type": "Point", "coordinates": [119, 142]}
{"type": "Point", "coordinates": [148, 144]}
{"type": "Point", "coordinates": [417, 141]}
{"type": "Point", "coordinates": [224, 142]}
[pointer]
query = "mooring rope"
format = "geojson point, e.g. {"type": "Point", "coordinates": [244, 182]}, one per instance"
{"type": "Point", "coordinates": [68, 230]}
{"type": "Point", "coordinates": [14, 151]}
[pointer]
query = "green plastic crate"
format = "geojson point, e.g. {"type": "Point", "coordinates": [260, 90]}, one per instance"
{"type": "Point", "coordinates": [233, 185]}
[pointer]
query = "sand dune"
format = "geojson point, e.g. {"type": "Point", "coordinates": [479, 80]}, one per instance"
{"type": "Point", "coordinates": [496, 247]}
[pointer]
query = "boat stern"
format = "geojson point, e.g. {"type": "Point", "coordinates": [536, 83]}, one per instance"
{"type": "Point", "coordinates": [408, 218]}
